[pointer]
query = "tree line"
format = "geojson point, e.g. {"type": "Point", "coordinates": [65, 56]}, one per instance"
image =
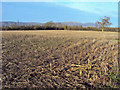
{"type": "Point", "coordinates": [100, 25]}
{"type": "Point", "coordinates": [55, 27]}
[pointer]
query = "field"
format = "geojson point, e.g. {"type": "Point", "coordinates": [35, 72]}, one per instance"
{"type": "Point", "coordinates": [68, 59]}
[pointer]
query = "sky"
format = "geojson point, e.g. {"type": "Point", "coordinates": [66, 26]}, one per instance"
{"type": "Point", "coordinates": [83, 12]}
{"type": "Point", "coordinates": [60, 0]}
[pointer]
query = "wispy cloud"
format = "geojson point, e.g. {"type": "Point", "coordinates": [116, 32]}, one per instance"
{"type": "Point", "coordinates": [60, 0]}
{"type": "Point", "coordinates": [59, 11]}
{"type": "Point", "coordinates": [101, 8]}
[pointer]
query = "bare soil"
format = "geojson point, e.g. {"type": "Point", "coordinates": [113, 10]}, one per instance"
{"type": "Point", "coordinates": [68, 59]}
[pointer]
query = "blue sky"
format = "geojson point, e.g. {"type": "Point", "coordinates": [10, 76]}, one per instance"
{"type": "Point", "coordinates": [59, 11]}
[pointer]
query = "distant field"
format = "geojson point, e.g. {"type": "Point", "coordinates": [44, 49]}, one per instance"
{"type": "Point", "coordinates": [60, 59]}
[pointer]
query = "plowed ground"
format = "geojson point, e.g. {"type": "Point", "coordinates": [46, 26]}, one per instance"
{"type": "Point", "coordinates": [59, 59]}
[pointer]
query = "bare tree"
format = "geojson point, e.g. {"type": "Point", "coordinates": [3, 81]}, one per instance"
{"type": "Point", "coordinates": [103, 22]}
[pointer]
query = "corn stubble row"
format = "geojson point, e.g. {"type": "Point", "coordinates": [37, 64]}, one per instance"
{"type": "Point", "coordinates": [43, 61]}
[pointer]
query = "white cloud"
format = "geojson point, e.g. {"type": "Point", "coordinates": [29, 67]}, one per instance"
{"type": "Point", "coordinates": [60, 0]}
{"type": "Point", "coordinates": [108, 8]}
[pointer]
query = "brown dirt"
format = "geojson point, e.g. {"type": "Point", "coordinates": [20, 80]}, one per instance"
{"type": "Point", "coordinates": [52, 59]}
